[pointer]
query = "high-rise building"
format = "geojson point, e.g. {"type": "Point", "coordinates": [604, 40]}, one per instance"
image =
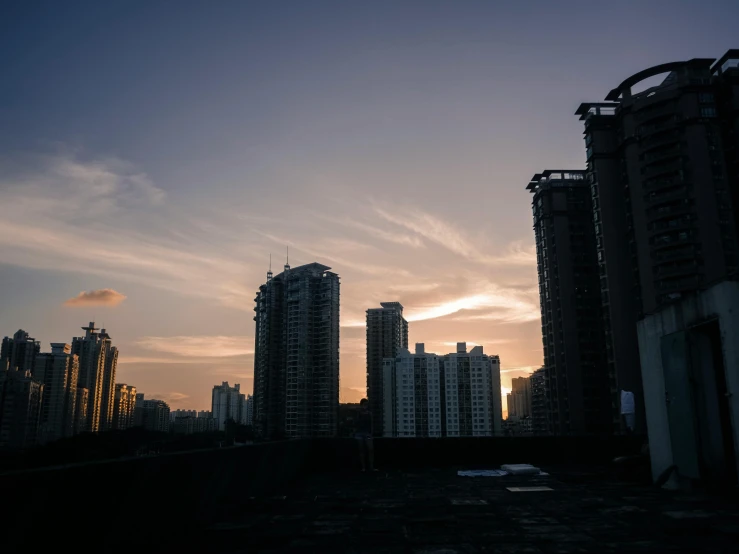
{"type": "Point", "coordinates": [124, 405]}
{"type": "Point", "coordinates": [387, 333]}
{"type": "Point", "coordinates": [205, 414]}
{"type": "Point", "coordinates": [20, 409]}
{"type": "Point", "coordinates": [662, 170]}
{"type": "Point", "coordinates": [577, 383]}
{"type": "Point", "coordinates": [539, 408]}
{"type": "Point", "coordinates": [228, 403]}
{"type": "Point", "coordinates": [296, 358]}
{"type": "Point", "coordinates": [107, 395]}
{"type": "Point", "coordinates": [519, 399]}
{"type": "Point", "coordinates": [58, 371]}
{"type": "Point", "coordinates": [152, 415]}
{"type": "Point", "coordinates": [92, 352]}
{"type": "Point", "coordinates": [19, 352]}
{"type": "Point", "coordinates": [456, 395]}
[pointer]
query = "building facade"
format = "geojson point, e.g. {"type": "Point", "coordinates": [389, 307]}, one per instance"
{"type": "Point", "coordinates": [91, 350]}
{"type": "Point", "coordinates": [20, 409]}
{"type": "Point", "coordinates": [80, 410]}
{"type": "Point", "coordinates": [124, 405]}
{"type": "Point", "coordinates": [456, 395]}
{"type": "Point", "coordinates": [249, 407]}
{"type": "Point", "coordinates": [577, 384]}
{"type": "Point", "coordinates": [58, 372]}
{"type": "Point", "coordinates": [387, 334]}
{"type": "Point", "coordinates": [228, 403]}
{"type": "Point", "coordinates": [662, 165]}
{"type": "Point", "coordinates": [19, 352]}
{"type": "Point", "coordinates": [519, 399]}
{"type": "Point", "coordinates": [152, 415]}
{"type": "Point", "coordinates": [107, 396]}
{"type": "Point", "coordinates": [539, 407]}
{"type": "Point", "coordinates": [296, 354]}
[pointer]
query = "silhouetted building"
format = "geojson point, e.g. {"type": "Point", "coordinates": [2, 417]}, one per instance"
{"type": "Point", "coordinates": [205, 414]}
{"type": "Point", "coordinates": [539, 409]}
{"type": "Point", "coordinates": [92, 352]}
{"type": "Point", "coordinates": [58, 372]}
{"type": "Point", "coordinates": [20, 409]}
{"type": "Point", "coordinates": [456, 395]}
{"type": "Point", "coordinates": [577, 384]}
{"type": "Point", "coordinates": [189, 425]}
{"type": "Point", "coordinates": [519, 399]}
{"type": "Point", "coordinates": [107, 396]}
{"type": "Point", "coordinates": [182, 413]}
{"type": "Point", "coordinates": [152, 415]}
{"type": "Point", "coordinates": [296, 358]}
{"type": "Point", "coordinates": [124, 405]}
{"type": "Point", "coordinates": [387, 333]}
{"type": "Point", "coordinates": [19, 352]}
{"type": "Point", "coordinates": [228, 403]}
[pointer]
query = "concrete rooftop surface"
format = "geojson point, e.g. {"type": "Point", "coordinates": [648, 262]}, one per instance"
{"type": "Point", "coordinates": [436, 511]}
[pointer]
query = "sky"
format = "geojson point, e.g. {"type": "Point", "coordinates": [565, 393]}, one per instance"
{"type": "Point", "coordinates": [153, 155]}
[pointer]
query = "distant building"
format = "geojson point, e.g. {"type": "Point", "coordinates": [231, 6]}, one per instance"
{"type": "Point", "coordinates": [189, 425]}
{"type": "Point", "coordinates": [124, 405]}
{"type": "Point", "coordinates": [456, 395]}
{"type": "Point", "coordinates": [296, 358]}
{"type": "Point", "coordinates": [205, 414]}
{"type": "Point", "coordinates": [228, 403]}
{"type": "Point", "coordinates": [152, 415]}
{"type": "Point", "coordinates": [578, 385]}
{"type": "Point", "coordinates": [387, 334]}
{"type": "Point", "coordinates": [249, 408]}
{"type": "Point", "coordinates": [19, 352]}
{"type": "Point", "coordinates": [182, 413]}
{"type": "Point", "coordinates": [539, 410]}
{"type": "Point", "coordinates": [20, 409]}
{"type": "Point", "coordinates": [107, 397]}
{"type": "Point", "coordinates": [58, 371]}
{"type": "Point", "coordinates": [519, 399]}
{"type": "Point", "coordinates": [92, 352]}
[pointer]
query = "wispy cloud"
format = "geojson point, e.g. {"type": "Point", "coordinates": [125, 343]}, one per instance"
{"type": "Point", "coordinates": [98, 297]}
{"type": "Point", "coordinates": [453, 239]}
{"type": "Point", "coordinates": [510, 306]}
{"type": "Point", "coordinates": [172, 398]}
{"type": "Point", "coordinates": [199, 346]}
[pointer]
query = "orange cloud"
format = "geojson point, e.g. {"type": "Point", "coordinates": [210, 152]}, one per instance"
{"type": "Point", "coordinates": [98, 297]}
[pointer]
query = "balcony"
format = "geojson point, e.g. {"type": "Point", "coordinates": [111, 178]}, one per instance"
{"type": "Point", "coordinates": [650, 170]}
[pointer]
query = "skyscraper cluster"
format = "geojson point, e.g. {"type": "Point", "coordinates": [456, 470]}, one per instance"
{"type": "Point", "coordinates": [650, 221]}
{"type": "Point", "coordinates": [70, 390]}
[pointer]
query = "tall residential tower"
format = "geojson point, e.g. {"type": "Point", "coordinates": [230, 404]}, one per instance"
{"type": "Point", "coordinates": [577, 384]}
{"type": "Point", "coordinates": [296, 354]}
{"type": "Point", "coordinates": [387, 334]}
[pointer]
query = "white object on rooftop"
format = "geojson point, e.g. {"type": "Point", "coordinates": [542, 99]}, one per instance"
{"type": "Point", "coordinates": [520, 469]}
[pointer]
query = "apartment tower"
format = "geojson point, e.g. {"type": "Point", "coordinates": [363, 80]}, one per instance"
{"type": "Point", "coordinates": [577, 384]}
{"type": "Point", "coordinates": [387, 334]}
{"type": "Point", "coordinates": [296, 354]}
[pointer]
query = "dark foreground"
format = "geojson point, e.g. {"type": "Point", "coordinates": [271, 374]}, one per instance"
{"type": "Point", "coordinates": [435, 511]}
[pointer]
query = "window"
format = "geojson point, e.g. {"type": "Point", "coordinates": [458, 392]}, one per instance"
{"type": "Point", "coordinates": [708, 112]}
{"type": "Point", "coordinates": [705, 98]}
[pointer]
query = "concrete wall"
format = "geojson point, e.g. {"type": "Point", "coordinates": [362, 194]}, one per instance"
{"type": "Point", "coordinates": [658, 354]}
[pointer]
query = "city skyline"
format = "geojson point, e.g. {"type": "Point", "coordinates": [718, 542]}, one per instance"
{"type": "Point", "coordinates": [393, 154]}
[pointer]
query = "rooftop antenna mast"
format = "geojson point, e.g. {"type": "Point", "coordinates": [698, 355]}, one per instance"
{"type": "Point", "coordinates": [287, 258]}
{"type": "Point", "coordinates": [269, 273]}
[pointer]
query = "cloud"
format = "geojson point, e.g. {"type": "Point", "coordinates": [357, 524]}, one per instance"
{"type": "Point", "coordinates": [511, 306]}
{"type": "Point", "coordinates": [446, 235]}
{"type": "Point", "coordinates": [97, 297]}
{"type": "Point", "coordinates": [199, 346]}
{"type": "Point", "coordinates": [171, 398]}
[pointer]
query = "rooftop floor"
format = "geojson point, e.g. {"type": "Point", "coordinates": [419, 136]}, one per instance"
{"type": "Point", "coordinates": [436, 511]}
